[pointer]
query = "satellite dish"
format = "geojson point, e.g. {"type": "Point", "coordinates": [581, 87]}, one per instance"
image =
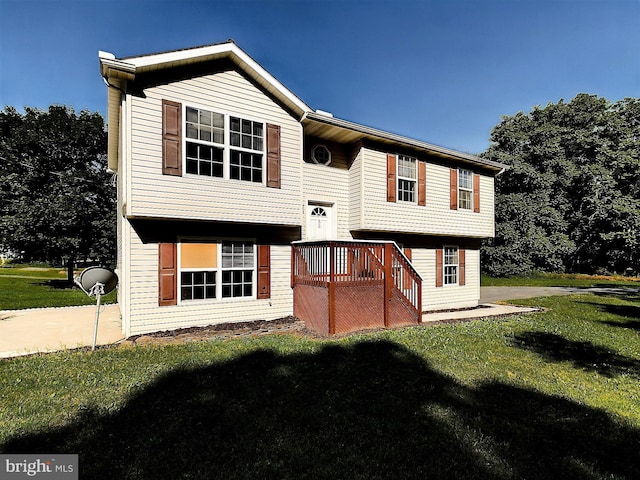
{"type": "Point", "coordinates": [95, 282]}
{"type": "Point", "coordinates": [92, 276]}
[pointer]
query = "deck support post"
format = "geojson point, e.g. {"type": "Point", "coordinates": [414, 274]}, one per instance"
{"type": "Point", "coordinates": [388, 282]}
{"type": "Point", "coordinates": [332, 289]}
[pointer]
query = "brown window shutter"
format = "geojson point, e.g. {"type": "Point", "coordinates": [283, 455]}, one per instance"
{"type": "Point", "coordinates": [476, 193]}
{"type": "Point", "coordinates": [422, 183]}
{"type": "Point", "coordinates": [439, 272]}
{"type": "Point", "coordinates": [273, 156]}
{"type": "Point", "coordinates": [171, 138]}
{"type": "Point", "coordinates": [453, 189]}
{"type": "Point", "coordinates": [167, 274]}
{"type": "Point", "coordinates": [264, 271]}
{"type": "Point", "coordinates": [461, 262]}
{"type": "Point", "coordinates": [391, 177]}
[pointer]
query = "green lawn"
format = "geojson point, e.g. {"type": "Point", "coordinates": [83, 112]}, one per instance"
{"type": "Point", "coordinates": [548, 395]}
{"type": "Point", "coordinates": [24, 286]}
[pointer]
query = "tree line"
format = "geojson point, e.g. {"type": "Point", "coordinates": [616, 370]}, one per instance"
{"type": "Point", "coordinates": [57, 202]}
{"type": "Point", "coordinates": [570, 201]}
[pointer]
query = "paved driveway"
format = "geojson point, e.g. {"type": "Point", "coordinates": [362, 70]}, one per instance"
{"type": "Point", "coordinates": [494, 294]}
{"type": "Point", "coordinates": [50, 329]}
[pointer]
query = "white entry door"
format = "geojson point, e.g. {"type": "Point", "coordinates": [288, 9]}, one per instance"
{"type": "Point", "coordinates": [319, 222]}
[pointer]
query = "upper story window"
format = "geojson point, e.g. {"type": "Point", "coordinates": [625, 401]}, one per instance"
{"type": "Point", "coordinates": [219, 145]}
{"type": "Point", "coordinates": [407, 178]}
{"type": "Point", "coordinates": [321, 155]}
{"type": "Point", "coordinates": [465, 189]}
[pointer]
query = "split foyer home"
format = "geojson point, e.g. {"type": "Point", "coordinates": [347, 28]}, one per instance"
{"type": "Point", "coordinates": [237, 202]}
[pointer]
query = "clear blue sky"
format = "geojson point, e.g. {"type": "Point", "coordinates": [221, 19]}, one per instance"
{"type": "Point", "coordinates": [442, 71]}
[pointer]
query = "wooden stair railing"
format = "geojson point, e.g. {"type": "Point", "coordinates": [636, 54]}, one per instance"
{"type": "Point", "coordinates": [352, 263]}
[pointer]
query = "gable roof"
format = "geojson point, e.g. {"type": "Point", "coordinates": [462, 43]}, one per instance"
{"type": "Point", "coordinates": [117, 71]}
{"type": "Point", "coordinates": [128, 67]}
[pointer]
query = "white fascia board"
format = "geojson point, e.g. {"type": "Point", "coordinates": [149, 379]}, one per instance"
{"type": "Point", "coordinates": [114, 68]}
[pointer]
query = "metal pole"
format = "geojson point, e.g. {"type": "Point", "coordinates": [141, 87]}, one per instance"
{"type": "Point", "coordinates": [98, 290]}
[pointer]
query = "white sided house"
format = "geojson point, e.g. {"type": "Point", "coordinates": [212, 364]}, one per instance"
{"type": "Point", "coordinates": [239, 202]}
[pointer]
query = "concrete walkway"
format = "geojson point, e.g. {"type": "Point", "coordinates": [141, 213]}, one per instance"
{"type": "Point", "coordinates": [23, 332]}
{"type": "Point", "coordinates": [51, 329]}
{"type": "Point", "coordinates": [484, 310]}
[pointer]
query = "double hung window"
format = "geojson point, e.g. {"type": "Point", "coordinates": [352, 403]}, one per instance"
{"type": "Point", "coordinates": [465, 189]}
{"type": "Point", "coordinates": [198, 269]}
{"type": "Point", "coordinates": [451, 265]}
{"type": "Point", "coordinates": [237, 269]}
{"type": "Point", "coordinates": [246, 150]}
{"type": "Point", "coordinates": [225, 146]}
{"type": "Point", "coordinates": [216, 270]}
{"type": "Point", "coordinates": [407, 178]}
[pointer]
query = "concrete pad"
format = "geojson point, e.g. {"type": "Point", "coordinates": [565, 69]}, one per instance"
{"type": "Point", "coordinates": [23, 332]}
{"type": "Point", "coordinates": [482, 311]}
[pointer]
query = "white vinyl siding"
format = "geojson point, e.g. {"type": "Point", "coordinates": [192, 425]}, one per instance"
{"type": "Point", "coordinates": [144, 315]}
{"type": "Point", "coordinates": [329, 184]}
{"type": "Point", "coordinates": [205, 198]}
{"type": "Point", "coordinates": [454, 296]}
{"type": "Point", "coordinates": [436, 218]}
{"type": "Point", "coordinates": [356, 192]}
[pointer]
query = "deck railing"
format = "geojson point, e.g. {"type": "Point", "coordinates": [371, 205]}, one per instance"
{"type": "Point", "coordinates": [357, 266]}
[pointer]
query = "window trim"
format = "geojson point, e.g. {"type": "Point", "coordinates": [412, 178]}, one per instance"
{"type": "Point", "coordinates": [469, 190]}
{"type": "Point", "coordinates": [313, 154]}
{"type": "Point", "coordinates": [219, 269]}
{"type": "Point", "coordinates": [408, 179]}
{"type": "Point", "coordinates": [455, 265]}
{"type": "Point", "coordinates": [226, 145]}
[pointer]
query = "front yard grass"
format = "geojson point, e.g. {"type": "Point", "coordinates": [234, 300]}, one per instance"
{"type": "Point", "coordinates": [549, 395]}
{"type": "Point", "coordinates": [25, 286]}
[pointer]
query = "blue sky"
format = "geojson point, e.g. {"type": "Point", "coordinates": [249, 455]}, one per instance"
{"type": "Point", "coordinates": [442, 71]}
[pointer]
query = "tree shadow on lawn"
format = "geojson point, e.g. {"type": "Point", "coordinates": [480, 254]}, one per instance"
{"type": "Point", "coordinates": [630, 313]}
{"type": "Point", "coordinates": [631, 294]}
{"type": "Point", "coordinates": [58, 284]}
{"type": "Point", "coordinates": [583, 355]}
{"type": "Point", "coordinates": [373, 410]}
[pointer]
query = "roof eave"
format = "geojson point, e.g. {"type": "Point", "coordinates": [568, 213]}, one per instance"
{"type": "Point", "coordinates": [388, 137]}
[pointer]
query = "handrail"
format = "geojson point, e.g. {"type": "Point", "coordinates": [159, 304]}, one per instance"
{"type": "Point", "coordinates": [351, 263]}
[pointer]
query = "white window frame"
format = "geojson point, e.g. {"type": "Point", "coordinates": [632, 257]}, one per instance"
{"type": "Point", "coordinates": [465, 203]}
{"type": "Point", "coordinates": [315, 159]}
{"type": "Point", "coordinates": [226, 146]}
{"type": "Point", "coordinates": [404, 178]}
{"type": "Point", "coordinates": [218, 270]}
{"type": "Point", "coordinates": [451, 266]}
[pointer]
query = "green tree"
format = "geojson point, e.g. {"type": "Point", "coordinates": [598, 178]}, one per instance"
{"type": "Point", "coordinates": [571, 199]}
{"type": "Point", "coordinates": [57, 203]}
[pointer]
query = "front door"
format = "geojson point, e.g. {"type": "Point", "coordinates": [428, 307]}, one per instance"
{"type": "Point", "coordinates": [319, 222]}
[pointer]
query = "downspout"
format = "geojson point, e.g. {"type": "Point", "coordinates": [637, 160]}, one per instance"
{"type": "Point", "coordinates": [115, 73]}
